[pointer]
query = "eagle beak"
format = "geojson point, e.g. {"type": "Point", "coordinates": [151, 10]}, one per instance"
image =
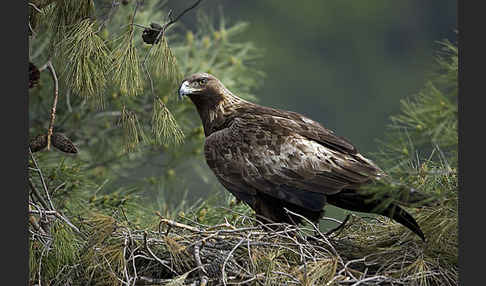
{"type": "Point", "coordinates": [184, 89]}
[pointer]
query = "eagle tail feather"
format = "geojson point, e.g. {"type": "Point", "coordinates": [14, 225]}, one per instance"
{"type": "Point", "coordinates": [354, 201]}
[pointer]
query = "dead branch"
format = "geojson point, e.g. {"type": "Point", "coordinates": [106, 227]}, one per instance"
{"type": "Point", "coordinates": [202, 271]}
{"type": "Point", "coordinates": [41, 176]}
{"type": "Point", "coordinates": [52, 71]}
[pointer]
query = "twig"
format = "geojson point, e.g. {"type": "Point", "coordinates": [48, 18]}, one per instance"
{"type": "Point", "coordinates": [370, 279]}
{"type": "Point", "coordinates": [143, 280]}
{"type": "Point", "coordinates": [51, 69]}
{"type": "Point", "coordinates": [38, 170]}
{"type": "Point", "coordinates": [177, 224]}
{"type": "Point", "coordinates": [59, 215]}
{"type": "Point", "coordinates": [154, 256]}
{"type": "Point", "coordinates": [227, 258]}
{"type": "Point", "coordinates": [35, 7]}
{"type": "Point", "coordinates": [35, 225]}
{"type": "Point", "coordinates": [197, 257]}
{"type": "Point", "coordinates": [37, 195]}
{"type": "Point", "coordinates": [31, 29]}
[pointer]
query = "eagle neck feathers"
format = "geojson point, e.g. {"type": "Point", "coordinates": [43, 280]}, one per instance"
{"type": "Point", "coordinates": [217, 111]}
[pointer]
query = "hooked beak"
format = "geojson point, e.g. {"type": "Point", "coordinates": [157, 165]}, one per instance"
{"type": "Point", "coordinates": [184, 89]}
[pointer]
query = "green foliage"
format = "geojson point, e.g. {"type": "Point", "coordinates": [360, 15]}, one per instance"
{"type": "Point", "coordinates": [126, 65]}
{"type": "Point", "coordinates": [164, 63]}
{"type": "Point", "coordinates": [163, 134]}
{"type": "Point", "coordinates": [85, 58]}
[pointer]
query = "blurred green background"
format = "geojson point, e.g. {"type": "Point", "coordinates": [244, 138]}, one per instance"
{"type": "Point", "coordinates": [344, 63]}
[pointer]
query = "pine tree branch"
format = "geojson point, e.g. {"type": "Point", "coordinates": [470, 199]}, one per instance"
{"type": "Point", "coordinates": [51, 69]}
{"type": "Point", "coordinates": [35, 7]}
{"type": "Point", "coordinates": [161, 33]}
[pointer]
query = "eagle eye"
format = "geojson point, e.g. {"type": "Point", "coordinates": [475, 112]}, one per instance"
{"type": "Point", "coordinates": [202, 81]}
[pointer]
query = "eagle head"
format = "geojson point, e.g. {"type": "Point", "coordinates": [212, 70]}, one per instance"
{"type": "Point", "coordinates": [202, 86]}
{"type": "Point", "coordinates": [212, 99]}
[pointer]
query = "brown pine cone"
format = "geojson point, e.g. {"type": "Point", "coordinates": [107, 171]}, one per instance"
{"type": "Point", "coordinates": [149, 35]}
{"type": "Point", "coordinates": [63, 143]}
{"type": "Point", "coordinates": [34, 75]}
{"type": "Point", "coordinates": [38, 143]}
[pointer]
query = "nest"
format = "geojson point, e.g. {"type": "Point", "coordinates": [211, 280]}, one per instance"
{"type": "Point", "coordinates": [249, 252]}
{"type": "Point", "coordinates": [108, 249]}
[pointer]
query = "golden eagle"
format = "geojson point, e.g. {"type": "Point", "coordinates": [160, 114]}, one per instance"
{"type": "Point", "coordinates": [274, 159]}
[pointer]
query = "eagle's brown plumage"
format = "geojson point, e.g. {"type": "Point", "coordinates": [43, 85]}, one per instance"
{"type": "Point", "coordinates": [274, 159]}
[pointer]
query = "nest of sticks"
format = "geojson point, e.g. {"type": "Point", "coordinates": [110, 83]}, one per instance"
{"type": "Point", "coordinates": [249, 252]}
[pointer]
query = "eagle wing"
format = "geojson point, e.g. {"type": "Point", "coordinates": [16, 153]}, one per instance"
{"type": "Point", "coordinates": [291, 159]}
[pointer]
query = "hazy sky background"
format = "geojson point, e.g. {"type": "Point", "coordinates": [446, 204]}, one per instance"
{"type": "Point", "coordinates": [344, 63]}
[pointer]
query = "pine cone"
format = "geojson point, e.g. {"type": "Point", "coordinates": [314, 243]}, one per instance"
{"type": "Point", "coordinates": [34, 75]}
{"type": "Point", "coordinates": [63, 143]}
{"type": "Point", "coordinates": [38, 143]}
{"type": "Point", "coordinates": [149, 35]}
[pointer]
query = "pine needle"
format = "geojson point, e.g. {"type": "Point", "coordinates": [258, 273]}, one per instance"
{"type": "Point", "coordinates": [164, 63]}
{"type": "Point", "coordinates": [125, 68]}
{"type": "Point", "coordinates": [164, 126]}
{"type": "Point", "coordinates": [132, 130]}
{"type": "Point", "coordinates": [85, 57]}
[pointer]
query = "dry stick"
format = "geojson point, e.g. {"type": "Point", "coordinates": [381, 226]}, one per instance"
{"type": "Point", "coordinates": [32, 30]}
{"type": "Point", "coordinates": [36, 8]}
{"type": "Point", "coordinates": [378, 277]}
{"type": "Point", "coordinates": [35, 225]}
{"type": "Point", "coordinates": [34, 221]}
{"type": "Point", "coordinates": [142, 280]}
{"type": "Point", "coordinates": [38, 170]}
{"type": "Point", "coordinates": [51, 69]}
{"type": "Point", "coordinates": [227, 258]}
{"type": "Point", "coordinates": [177, 224]}
{"type": "Point", "coordinates": [125, 271]}
{"type": "Point", "coordinates": [154, 256]}
{"type": "Point", "coordinates": [42, 201]}
{"type": "Point", "coordinates": [59, 215]}
{"type": "Point", "coordinates": [197, 257]}
{"type": "Point", "coordinates": [345, 268]}
{"type": "Point", "coordinates": [37, 195]}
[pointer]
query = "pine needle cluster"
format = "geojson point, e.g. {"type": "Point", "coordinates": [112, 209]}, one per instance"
{"type": "Point", "coordinates": [85, 58]}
